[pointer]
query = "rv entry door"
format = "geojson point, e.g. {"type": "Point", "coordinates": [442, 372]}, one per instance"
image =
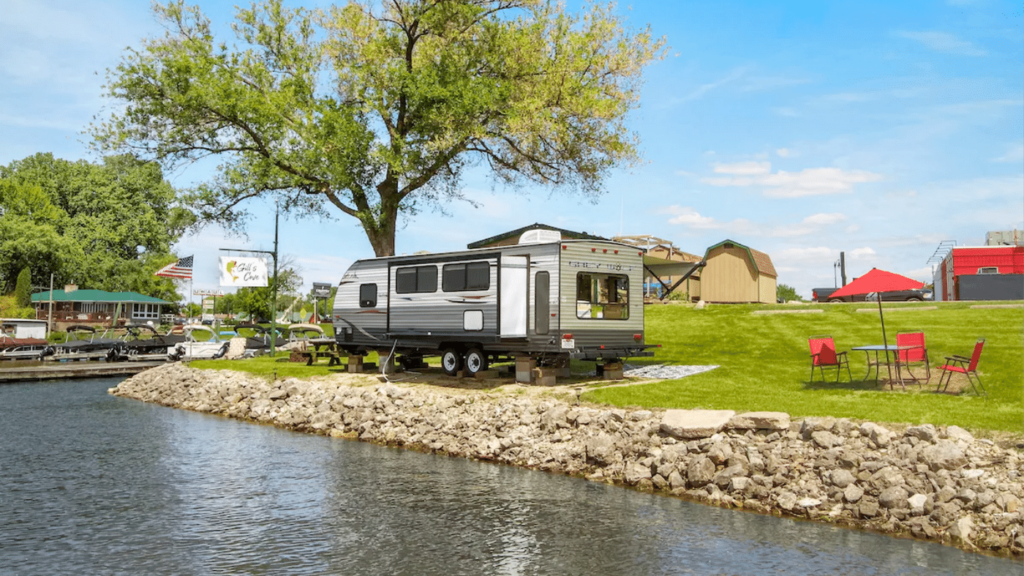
{"type": "Point", "coordinates": [513, 296]}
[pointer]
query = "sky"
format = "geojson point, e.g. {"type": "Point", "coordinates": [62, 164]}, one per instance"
{"type": "Point", "coordinates": [800, 129]}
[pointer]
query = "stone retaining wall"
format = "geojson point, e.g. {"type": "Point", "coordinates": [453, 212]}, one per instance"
{"type": "Point", "coordinates": [935, 483]}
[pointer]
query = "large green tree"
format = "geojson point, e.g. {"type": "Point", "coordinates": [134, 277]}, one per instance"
{"type": "Point", "coordinates": [375, 109]}
{"type": "Point", "coordinates": [107, 226]}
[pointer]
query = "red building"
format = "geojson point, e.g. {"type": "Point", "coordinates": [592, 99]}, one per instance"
{"type": "Point", "coordinates": [981, 273]}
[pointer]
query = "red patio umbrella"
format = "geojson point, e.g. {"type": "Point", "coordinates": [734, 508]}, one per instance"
{"type": "Point", "coordinates": [878, 281]}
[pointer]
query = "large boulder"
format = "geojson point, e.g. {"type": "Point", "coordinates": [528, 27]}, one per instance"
{"type": "Point", "coordinates": [689, 424]}
{"type": "Point", "coordinates": [880, 435]}
{"type": "Point", "coordinates": [893, 497]}
{"type": "Point", "coordinates": [760, 421]}
{"type": "Point", "coordinates": [943, 455]}
{"type": "Point", "coordinates": [700, 472]}
{"type": "Point", "coordinates": [925, 432]}
{"type": "Point", "coordinates": [958, 433]}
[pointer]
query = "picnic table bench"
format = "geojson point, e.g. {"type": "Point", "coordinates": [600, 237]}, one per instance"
{"type": "Point", "coordinates": [320, 349]}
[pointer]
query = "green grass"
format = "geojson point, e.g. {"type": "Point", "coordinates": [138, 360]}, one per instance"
{"type": "Point", "coordinates": [267, 366]}
{"type": "Point", "coordinates": [765, 363]}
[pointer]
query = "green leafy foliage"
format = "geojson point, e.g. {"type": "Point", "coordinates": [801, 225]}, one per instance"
{"type": "Point", "coordinates": [106, 226]}
{"type": "Point", "coordinates": [787, 293]}
{"type": "Point", "coordinates": [9, 308]}
{"type": "Point", "coordinates": [376, 109]}
{"type": "Point", "coordinates": [23, 289]}
{"type": "Point", "coordinates": [257, 302]}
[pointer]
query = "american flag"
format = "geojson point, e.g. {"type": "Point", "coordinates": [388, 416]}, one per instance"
{"type": "Point", "coordinates": [182, 269]}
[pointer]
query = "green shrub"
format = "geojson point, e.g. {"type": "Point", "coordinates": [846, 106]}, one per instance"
{"type": "Point", "coordinates": [23, 289]}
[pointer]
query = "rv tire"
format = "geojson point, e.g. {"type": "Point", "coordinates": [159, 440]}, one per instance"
{"type": "Point", "coordinates": [475, 361]}
{"type": "Point", "coordinates": [451, 361]}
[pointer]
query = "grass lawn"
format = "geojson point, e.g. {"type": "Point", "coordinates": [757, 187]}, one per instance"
{"type": "Point", "coordinates": [765, 362]}
{"type": "Point", "coordinates": [267, 366]}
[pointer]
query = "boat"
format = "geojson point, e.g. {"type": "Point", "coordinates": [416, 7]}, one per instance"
{"type": "Point", "coordinates": [13, 348]}
{"type": "Point", "coordinates": [200, 343]}
{"type": "Point", "coordinates": [259, 342]}
{"type": "Point", "coordinates": [143, 342]}
{"type": "Point", "coordinates": [83, 343]}
{"type": "Point", "coordinates": [311, 334]}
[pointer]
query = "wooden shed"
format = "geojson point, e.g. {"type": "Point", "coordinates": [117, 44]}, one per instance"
{"type": "Point", "coordinates": [736, 273]}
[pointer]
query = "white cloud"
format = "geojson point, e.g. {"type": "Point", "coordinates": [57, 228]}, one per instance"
{"type": "Point", "coordinates": [784, 152]}
{"type": "Point", "coordinates": [862, 253]}
{"type": "Point", "coordinates": [744, 168]}
{"type": "Point", "coordinates": [783, 184]}
{"type": "Point", "coordinates": [920, 274]}
{"type": "Point", "coordinates": [825, 219]}
{"type": "Point", "coordinates": [944, 42]}
{"type": "Point", "coordinates": [689, 217]}
{"type": "Point", "coordinates": [786, 111]}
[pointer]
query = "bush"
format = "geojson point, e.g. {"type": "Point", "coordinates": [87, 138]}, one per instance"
{"type": "Point", "coordinates": [23, 289]}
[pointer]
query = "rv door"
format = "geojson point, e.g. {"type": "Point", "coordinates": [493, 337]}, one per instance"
{"type": "Point", "coordinates": [513, 296]}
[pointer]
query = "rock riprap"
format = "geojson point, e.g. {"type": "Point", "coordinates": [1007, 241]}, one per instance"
{"type": "Point", "coordinates": [932, 482]}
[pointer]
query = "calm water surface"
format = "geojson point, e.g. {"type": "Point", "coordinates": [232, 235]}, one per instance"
{"type": "Point", "coordinates": [94, 484]}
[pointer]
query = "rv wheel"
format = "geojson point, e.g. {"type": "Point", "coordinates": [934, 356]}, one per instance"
{"type": "Point", "coordinates": [475, 361]}
{"type": "Point", "coordinates": [451, 361]}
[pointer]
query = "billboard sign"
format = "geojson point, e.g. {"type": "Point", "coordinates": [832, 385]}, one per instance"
{"type": "Point", "coordinates": [321, 290]}
{"type": "Point", "coordinates": [243, 271]}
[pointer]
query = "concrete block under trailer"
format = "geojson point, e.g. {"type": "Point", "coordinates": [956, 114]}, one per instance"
{"type": "Point", "coordinates": [578, 299]}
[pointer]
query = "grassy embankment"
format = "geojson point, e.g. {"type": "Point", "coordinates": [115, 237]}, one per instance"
{"type": "Point", "coordinates": [765, 362]}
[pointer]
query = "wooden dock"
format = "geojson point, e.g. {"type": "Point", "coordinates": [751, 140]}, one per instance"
{"type": "Point", "coordinates": [67, 370]}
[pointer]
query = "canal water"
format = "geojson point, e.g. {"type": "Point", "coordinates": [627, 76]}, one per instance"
{"type": "Point", "coordinates": [94, 484]}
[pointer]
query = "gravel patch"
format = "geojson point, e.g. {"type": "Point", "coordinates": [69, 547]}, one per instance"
{"type": "Point", "coordinates": [662, 372]}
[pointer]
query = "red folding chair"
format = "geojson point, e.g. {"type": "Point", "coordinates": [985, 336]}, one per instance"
{"type": "Point", "coordinates": [965, 366]}
{"type": "Point", "coordinates": [918, 355]}
{"type": "Point", "coordinates": [824, 355]}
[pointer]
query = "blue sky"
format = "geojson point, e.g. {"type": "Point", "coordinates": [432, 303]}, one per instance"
{"type": "Point", "coordinates": [801, 129]}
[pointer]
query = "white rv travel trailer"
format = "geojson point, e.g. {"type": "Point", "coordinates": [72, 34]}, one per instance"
{"type": "Point", "coordinates": [553, 300]}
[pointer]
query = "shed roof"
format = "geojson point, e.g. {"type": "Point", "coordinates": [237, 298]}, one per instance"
{"type": "Point", "coordinates": [535, 226]}
{"type": "Point", "coordinates": [761, 261]}
{"type": "Point", "coordinates": [96, 296]}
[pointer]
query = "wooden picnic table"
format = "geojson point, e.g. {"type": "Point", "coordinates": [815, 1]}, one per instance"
{"type": "Point", "coordinates": [320, 347]}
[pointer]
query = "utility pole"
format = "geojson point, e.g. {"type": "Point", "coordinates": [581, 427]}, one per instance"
{"type": "Point", "coordinates": [842, 266]}
{"type": "Point", "coordinates": [49, 315]}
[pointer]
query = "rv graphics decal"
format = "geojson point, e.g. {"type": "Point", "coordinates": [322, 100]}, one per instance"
{"type": "Point", "coordinates": [598, 265]}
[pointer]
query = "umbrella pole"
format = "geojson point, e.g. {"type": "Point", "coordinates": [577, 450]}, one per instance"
{"type": "Point", "coordinates": [885, 341]}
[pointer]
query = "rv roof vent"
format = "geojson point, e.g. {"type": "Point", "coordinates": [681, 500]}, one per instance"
{"type": "Point", "coordinates": [540, 236]}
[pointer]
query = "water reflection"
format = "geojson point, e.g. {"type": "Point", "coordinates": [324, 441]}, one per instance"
{"type": "Point", "coordinates": [103, 485]}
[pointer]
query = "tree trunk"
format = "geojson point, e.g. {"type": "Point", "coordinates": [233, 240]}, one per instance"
{"type": "Point", "coordinates": [382, 234]}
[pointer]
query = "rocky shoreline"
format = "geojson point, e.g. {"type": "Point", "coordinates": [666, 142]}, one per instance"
{"type": "Point", "coordinates": [932, 483]}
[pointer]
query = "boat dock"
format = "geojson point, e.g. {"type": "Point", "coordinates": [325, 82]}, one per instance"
{"type": "Point", "coordinates": [9, 372]}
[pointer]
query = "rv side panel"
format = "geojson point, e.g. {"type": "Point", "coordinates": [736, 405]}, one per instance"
{"type": "Point", "coordinates": [361, 304]}
{"type": "Point", "coordinates": [444, 296]}
{"type": "Point", "coordinates": [601, 293]}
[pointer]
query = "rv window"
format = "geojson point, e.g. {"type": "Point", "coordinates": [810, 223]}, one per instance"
{"type": "Point", "coordinates": [426, 279]}
{"type": "Point", "coordinates": [604, 296]}
{"type": "Point", "coordinates": [463, 277]}
{"type": "Point", "coordinates": [989, 270]}
{"type": "Point", "coordinates": [416, 279]}
{"type": "Point", "coordinates": [542, 302]}
{"type": "Point", "coordinates": [367, 295]}
{"type": "Point", "coordinates": [478, 276]}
